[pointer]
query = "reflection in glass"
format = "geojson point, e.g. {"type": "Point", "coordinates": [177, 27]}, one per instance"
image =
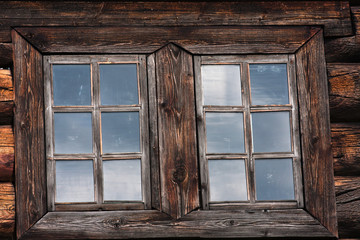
{"type": "Point", "coordinates": [118, 84]}
{"type": "Point", "coordinates": [72, 85]}
{"type": "Point", "coordinates": [74, 181]}
{"type": "Point", "coordinates": [120, 132]}
{"type": "Point", "coordinates": [269, 84]}
{"type": "Point", "coordinates": [227, 180]}
{"type": "Point", "coordinates": [224, 133]}
{"type": "Point", "coordinates": [271, 132]}
{"type": "Point", "coordinates": [122, 180]}
{"type": "Point", "coordinates": [73, 133]}
{"type": "Point", "coordinates": [221, 84]}
{"type": "Point", "coordinates": [274, 179]}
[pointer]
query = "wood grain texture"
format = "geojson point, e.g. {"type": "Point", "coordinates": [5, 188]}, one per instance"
{"type": "Point", "coordinates": [348, 205]}
{"type": "Point", "coordinates": [6, 54]}
{"type": "Point", "coordinates": [315, 133]}
{"type": "Point", "coordinates": [153, 224]}
{"type": "Point", "coordinates": [355, 12]}
{"type": "Point", "coordinates": [333, 15]}
{"type": "Point", "coordinates": [177, 131]}
{"type": "Point", "coordinates": [346, 148]}
{"type": "Point", "coordinates": [6, 112]}
{"type": "Point", "coordinates": [344, 91]}
{"type": "Point", "coordinates": [7, 209]}
{"type": "Point", "coordinates": [6, 85]}
{"type": "Point", "coordinates": [197, 40]}
{"type": "Point", "coordinates": [29, 135]}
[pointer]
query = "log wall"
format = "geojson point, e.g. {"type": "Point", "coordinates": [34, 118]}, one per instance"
{"type": "Point", "coordinates": [342, 48]}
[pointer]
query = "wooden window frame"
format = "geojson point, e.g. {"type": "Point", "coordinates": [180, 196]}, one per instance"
{"type": "Point", "coordinates": [316, 220]}
{"type": "Point", "coordinates": [246, 109]}
{"type": "Point", "coordinates": [95, 108]}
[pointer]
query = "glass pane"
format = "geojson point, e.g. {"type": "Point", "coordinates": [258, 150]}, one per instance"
{"type": "Point", "coordinates": [269, 84]}
{"type": "Point", "coordinates": [224, 133]}
{"type": "Point", "coordinates": [122, 180]}
{"type": "Point", "coordinates": [227, 180]}
{"type": "Point", "coordinates": [221, 84]}
{"type": "Point", "coordinates": [274, 179]}
{"type": "Point", "coordinates": [74, 181]}
{"type": "Point", "coordinates": [73, 133]}
{"type": "Point", "coordinates": [118, 84]}
{"type": "Point", "coordinates": [271, 132]}
{"type": "Point", "coordinates": [72, 85]}
{"type": "Point", "coordinates": [120, 132]}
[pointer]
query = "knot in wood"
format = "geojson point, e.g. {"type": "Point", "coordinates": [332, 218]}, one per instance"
{"type": "Point", "coordinates": [179, 175]}
{"type": "Point", "coordinates": [116, 222]}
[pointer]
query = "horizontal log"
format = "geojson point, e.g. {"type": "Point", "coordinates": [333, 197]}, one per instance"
{"type": "Point", "coordinates": [348, 206]}
{"type": "Point", "coordinates": [345, 138]}
{"type": "Point", "coordinates": [6, 153]}
{"type": "Point", "coordinates": [203, 40]}
{"type": "Point", "coordinates": [7, 209]}
{"type": "Point", "coordinates": [6, 85]}
{"type": "Point", "coordinates": [344, 49]}
{"type": "Point", "coordinates": [344, 91]}
{"type": "Point", "coordinates": [5, 55]}
{"type": "Point", "coordinates": [355, 11]}
{"type": "Point", "coordinates": [333, 15]}
{"type": "Point", "coordinates": [6, 112]}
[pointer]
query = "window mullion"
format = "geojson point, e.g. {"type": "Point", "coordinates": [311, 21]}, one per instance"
{"type": "Point", "coordinates": [98, 172]}
{"type": "Point", "coordinates": [245, 80]}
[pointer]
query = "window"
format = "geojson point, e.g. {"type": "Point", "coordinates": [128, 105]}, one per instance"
{"type": "Point", "coordinates": [97, 132]}
{"type": "Point", "coordinates": [249, 139]}
{"type": "Point", "coordinates": [177, 190]}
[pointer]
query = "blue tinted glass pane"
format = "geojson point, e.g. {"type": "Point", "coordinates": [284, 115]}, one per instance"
{"type": "Point", "coordinates": [274, 179]}
{"type": "Point", "coordinates": [118, 84]}
{"type": "Point", "coordinates": [269, 84]}
{"type": "Point", "coordinates": [72, 85]}
{"type": "Point", "coordinates": [221, 84]}
{"type": "Point", "coordinates": [122, 180]}
{"type": "Point", "coordinates": [74, 181]}
{"type": "Point", "coordinates": [73, 133]}
{"type": "Point", "coordinates": [227, 180]}
{"type": "Point", "coordinates": [271, 132]}
{"type": "Point", "coordinates": [120, 132]}
{"type": "Point", "coordinates": [224, 133]}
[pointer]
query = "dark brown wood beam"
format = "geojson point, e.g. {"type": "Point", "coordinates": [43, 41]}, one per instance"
{"type": "Point", "coordinates": [346, 148]}
{"type": "Point", "coordinates": [348, 205]}
{"type": "Point", "coordinates": [7, 210]}
{"type": "Point", "coordinates": [344, 91]}
{"type": "Point", "coordinates": [333, 15]}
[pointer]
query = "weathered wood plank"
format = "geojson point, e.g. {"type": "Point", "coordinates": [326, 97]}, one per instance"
{"type": "Point", "coordinates": [346, 148]}
{"type": "Point", "coordinates": [6, 112]}
{"type": "Point", "coordinates": [197, 40]}
{"type": "Point", "coordinates": [7, 209]}
{"type": "Point", "coordinates": [315, 133]}
{"type": "Point", "coordinates": [29, 135]}
{"type": "Point", "coordinates": [333, 15]}
{"type": "Point", "coordinates": [6, 153]}
{"type": "Point", "coordinates": [344, 92]}
{"type": "Point", "coordinates": [344, 49]}
{"type": "Point", "coordinates": [153, 224]}
{"type": "Point", "coordinates": [5, 54]}
{"type": "Point", "coordinates": [355, 12]}
{"type": "Point", "coordinates": [6, 85]}
{"type": "Point", "coordinates": [348, 206]}
{"type": "Point", "coordinates": [177, 131]}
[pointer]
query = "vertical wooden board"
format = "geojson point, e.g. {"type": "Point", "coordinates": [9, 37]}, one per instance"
{"type": "Point", "coordinates": [29, 135]}
{"type": "Point", "coordinates": [315, 133]}
{"type": "Point", "coordinates": [177, 131]}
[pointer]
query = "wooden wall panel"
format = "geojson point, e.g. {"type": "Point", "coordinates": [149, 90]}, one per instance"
{"type": "Point", "coordinates": [334, 15]}
{"type": "Point", "coordinates": [348, 205]}
{"type": "Point", "coordinates": [7, 210]}
{"type": "Point", "coordinates": [177, 131]}
{"type": "Point", "coordinates": [29, 135]}
{"type": "Point", "coordinates": [344, 91]}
